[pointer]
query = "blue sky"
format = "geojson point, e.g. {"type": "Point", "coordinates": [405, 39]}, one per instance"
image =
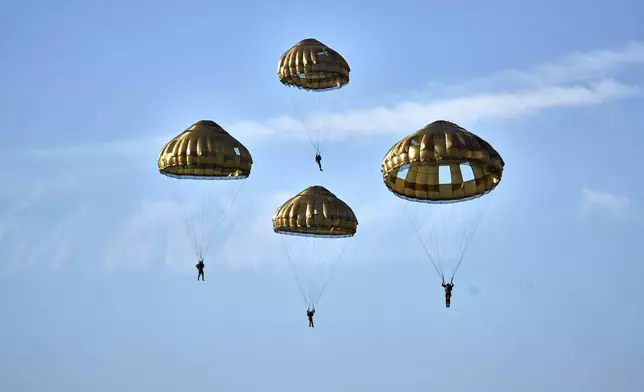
{"type": "Point", "coordinates": [97, 279]}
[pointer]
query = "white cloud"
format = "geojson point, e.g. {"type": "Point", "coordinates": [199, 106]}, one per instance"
{"type": "Point", "coordinates": [408, 116]}
{"type": "Point", "coordinates": [579, 79]}
{"type": "Point", "coordinates": [581, 66]}
{"type": "Point", "coordinates": [106, 148]}
{"type": "Point", "coordinates": [604, 203]}
{"type": "Point", "coordinates": [573, 68]}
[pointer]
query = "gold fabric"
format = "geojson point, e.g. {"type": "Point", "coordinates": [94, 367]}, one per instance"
{"type": "Point", "coordinates": [311, 65]}
{"type": "Point", "coordinates": [441, 143]}
{"type": "Point", "coordinates": [205, 151]}
{"type": "Point", "coordinates": [315, 212]}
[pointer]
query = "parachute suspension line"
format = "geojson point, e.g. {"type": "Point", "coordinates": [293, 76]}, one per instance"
{"type": "Point", "coordinates": [189, 229]}
{"type": "Point", "coordinates": [318, 271]}
{"type": "Point", "coordinates": [202, 225]}
{"type": "Point", "coordinates": [458, 256]}
{"type": "Point", "coordinates": [426, 248]}
{"type": "Point", "coordinates": [317, 118]}
{"type": "Point", "coordinates": [311, 275]}
{"type": "Point", "coordinates": [326, 281]}
{"type": "Point", "coordinates": [210, 236]}
{"type": "Point", "coordinates": [469, 235]}
{"type": "Point", "coordinates": [441, 258]}
{"type": "Point", "coordinates": [303, 120]}
{"type": "Point", "coordinates": [327, 112]}
{"type": "Point", "coordinates": [435, 231]}
{"type": "Point", "coordinates": [292, 263]}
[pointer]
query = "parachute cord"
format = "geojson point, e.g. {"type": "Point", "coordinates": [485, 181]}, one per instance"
{"type": "Point", "coordinates": [210, 237]}
{"type": "Point", "coordinates": [303, 121]}
{"type": "Point", "coordinates": [443, 229]}
{"type": "Point", "coordinates": [326, 282]}
{"type": "Point", "coordinates": [435, 243]}
{"type": "Point", "coordinates": [458, 256]}
{"type": "Point", "coordinates": [292, 264]}
{"type": "Point", "coordinates": [202, 225]}
{"type": "Point", "coordinates": [426, 248]}
{"type": "Point", "coordinates": [461, 251]}
{"type": "Point", "coordinates": [328, 112]}
{"type": "Point", "coordinates": [318, 268]}
{"type": "Point", "coordinates": [189, 232]}
{"type": "Point", "coordinates": [469, 235]}
{"type": "Point", "coordinates": [318, 127]}
{"type": "Point", "coordinates": [310, 274]}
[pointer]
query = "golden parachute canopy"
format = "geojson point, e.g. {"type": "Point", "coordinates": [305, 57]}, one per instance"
{"type": "Point", "coordinates": [441, 143]}
{"type": "Point", "coordinates": [315, 212]}
{"type": "Point", "coordinates": [205, 151]}
{"type": "Point", "coordinates": [311, 65]}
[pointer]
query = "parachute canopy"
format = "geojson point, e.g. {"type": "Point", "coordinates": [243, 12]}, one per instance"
{"type": "Point", "coordinates": [311, 65]}
{"type": "Point", "coordinates": [315, 212]}
{"type": "Point", "coordinates": [205, 151]}
{"type": "Point", "coordinates": [441, 143]}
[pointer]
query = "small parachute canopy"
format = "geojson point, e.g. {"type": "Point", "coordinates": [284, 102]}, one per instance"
{"type": "Point", "coordinates": [441, 143]}
{"type": "Point", "coordinates": [205, 151]}
{"type": "Point", "coordinates": [311, 65]}
{"type": "Point", "coordinates": [315, 212]}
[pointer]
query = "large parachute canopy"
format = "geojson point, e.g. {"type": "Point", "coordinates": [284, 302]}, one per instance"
{"type": "Point", "coordinates": [448, 166]}
{"type": "Point", "coordinates": [318, 73]}
{"type": "Point", "coordinates": [311, 65]}
{"type": "Point", "coordinates": [441, 143]}
{"type": "Point", "coordinates": [205, 151]}
{"type": "Point", "coordinates": [315, 212]}
{"type": "Point", "coordinates": [316, 225]}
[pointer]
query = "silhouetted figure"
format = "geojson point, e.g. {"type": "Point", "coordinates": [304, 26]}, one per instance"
{"type": "Point", "coordinates": [200, 266]}
{"type": "Point", "coordinates": [309, 314]}
{"type": "Point", "coordinates": [448, 292]}
{"type": "Point", "coordinates": [318, 160]}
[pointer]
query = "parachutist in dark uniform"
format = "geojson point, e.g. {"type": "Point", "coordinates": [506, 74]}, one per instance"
{"type": "Point", "coordinates": [318, 160]}
{"type": "Point", "coordinates": [448, 292]}
{"type": "Point", "coordinates": [200, 266]}
{"type": "Point", "coordinates": [309, 314]}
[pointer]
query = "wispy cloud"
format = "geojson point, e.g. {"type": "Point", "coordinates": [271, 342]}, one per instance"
{"type": "Point", "coordinates": [604, 204]}
{"type": "Point", "coordinates": [578, 79]}
{"type": "Point", "coordinates": [105, 148]}
{"type": "Point", "coordinates": [580, 66]}
{"type": "Point", "coordinates": [576, 67]}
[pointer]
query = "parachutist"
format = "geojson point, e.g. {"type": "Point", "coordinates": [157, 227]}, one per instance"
{"type": "Point", "coordinates": [318, 160]}
{"type": "Point", "coordinates": [309, 314]}
{"type": "Point", "coordinates": [448, 292]}
{"type": "Point", "coordinates": [314, 218]}
{"type": "Point", "coordinates": [200, 266]}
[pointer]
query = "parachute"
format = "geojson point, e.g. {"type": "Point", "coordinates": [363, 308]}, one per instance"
{"type": "Point", "coordinates": [315, 71]}
{"type": "Point", "coordinates": [444, 170]}
{"type": "Point", "coordinates": [205, 151]}
{"type": "Point", "coordinates": [316, 226]}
